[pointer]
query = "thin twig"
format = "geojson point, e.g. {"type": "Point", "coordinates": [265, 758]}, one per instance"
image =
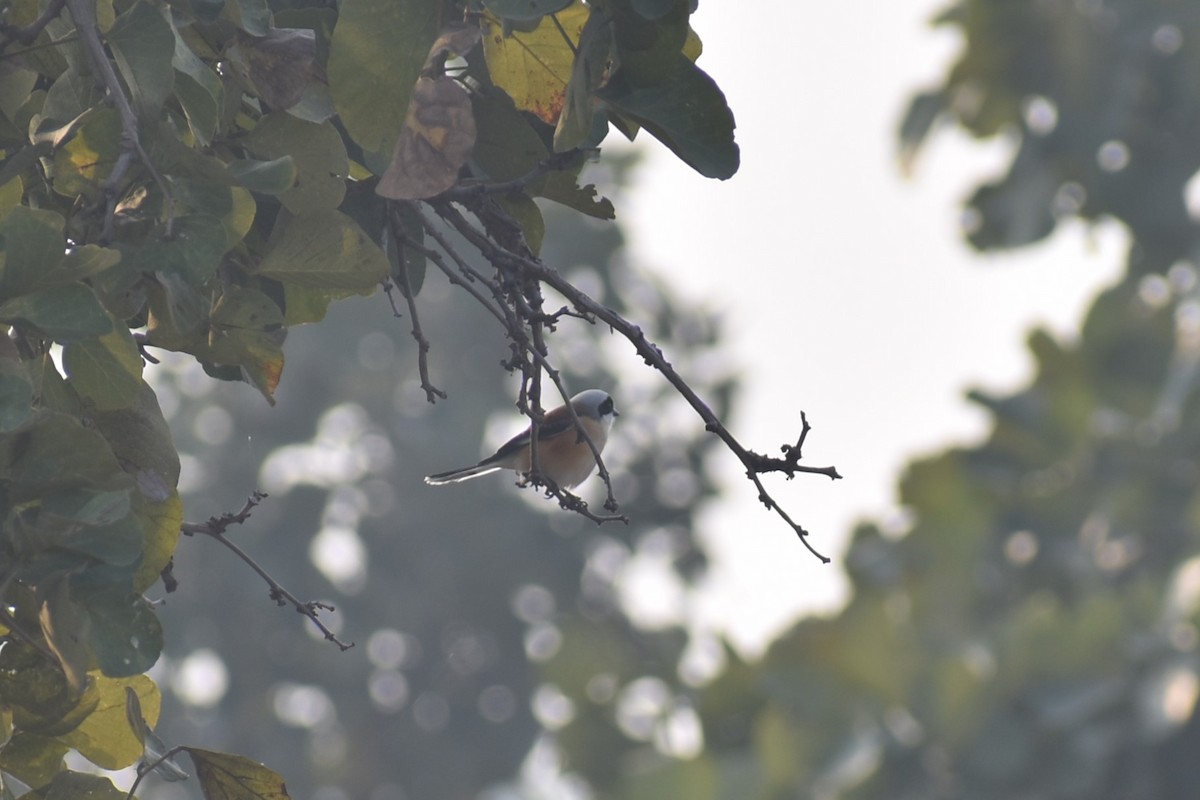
{"type": "Point", "coordinates": [755, 463]}
{"type": "Point", "coordinates": [215, 528]}
{"type": "Point", "coordinates": [143, 771]}
{"type": "Point", "coordinates": [513, 320]}
{"type": "Point", "coordinates": [432, 393]}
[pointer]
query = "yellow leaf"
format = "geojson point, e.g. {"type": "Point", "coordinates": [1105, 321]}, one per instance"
{"type": "Point", "coordinates": [534, 68]}
{"type": "Point", "coordinates": [105, 736]}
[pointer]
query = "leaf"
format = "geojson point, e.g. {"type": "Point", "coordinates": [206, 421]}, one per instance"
{"type": "Point", "coordinates": [268, 177]}
{"type": "Point", "coordinates": [438, 136]}
{"type": "Point", "coordinates": [252, 16]}
{"type": "Point", "coordinates": [69, 785]}
{"type": "Point", "coordinates": [595, 59]}
{"type": "Point", "coordinates": [62, 624]}
{"type": "Point", "coordinates": [141, 440]}
{"type": "Point", "coordinates": [686, 112]}
{"type": "Point", "coordinates": [376, 55]}
{"type": "Point", "coordinates": [318, 154]}
{"type": "Point", "coordinates": [85, 161]}
{"type": "Point", "coordinates": [409, 259]}
{"type": "Point", "coordinates": [107, 370]}
{"type": "Point", "coordinates": [33, 245]}
{"type": "Point", "coordinates": [534, 68]}
{"type": "Point", "coordinates": [506, 145]}
{"type": "Point", "coordinates": [247, 331]}
{"type": "Point", "coordinates": [16, 390]}
{"type": "Point", "coordinates": [32, 759]}
{"type": "Point", "coordinates": [229, 777]}
{"type": "Point", "coordinates": [124, 633]}
{"type": "Point", "coordinates": [161, 524]}
{"type": "Point", "coordinates": [528, 216]}
{"type": "Point", "coordinates": [279, 65]}
{"type": "Point", "coordinates": [325, 251]}
{"type": "Point", "coordinates": [199, 90]}
{"type": "Point", "coordinates": [525, 9]}
{"type": "Point", "coordinates": [106, 737]}
{"type": "Point", "coordinates": [57, 452]}
{"type": "Point", "coordinates": [193, 250]}
{"type": "Point", "coordinates": [143, 45]}
{"type": "Point", "coordinates": [64, 313]}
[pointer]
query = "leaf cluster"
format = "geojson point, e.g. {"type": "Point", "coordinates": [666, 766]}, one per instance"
{"type": "Point", "coordinates": [201, 175]}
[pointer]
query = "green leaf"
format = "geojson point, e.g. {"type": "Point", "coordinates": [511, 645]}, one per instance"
{"type": "Point", "coordinates": [653, 9]}
{"type": "Point", "coordinates": [16, 394]}
{"type": "Point", "coordinates": [506, 145]}
{"type": "Point", "coordinates": [318, 154]}
{"type": "Point", "coordinates": [409, 259]}
{"type": "Point", "coordinates": [193, 251]}
{"type": "Point", "coordinates": [141, 440]}
{"type": "Point", "coordinates": [21, 160]}
{"type": "Point", "coordinates": [595, 55]}
{"type": "Point", "coordinates": [247, 332]}
{"type": "Point", "coordinates": [252, 16]}
{"type": "Point", "coordinates": [64, 313]}
{"type": "Point", "coordinates": [375, 57]}
{"type": "Point", "coordinates": [325, 251]}
{"type": "Point", "coordinates": [143, 45]}
{"type": "Point", "coordinates": [525, 9]}
{"type": "Point", "coordinates": [269, 177]}
{"type": "Point", "coordinates": [229, 777]}
{"type": "Point", "coordinates": [124, 633]}
{"type": "Point", "coordinates": [71, 785]}
{"type": "Point", "coordinates": [687, 112]}
{"type": "Point", "coordinates": [85, 161]}
{"type": "Point", "coordinates": [33, 246]}
{"type": "Point", "coordinates": [528, 216]}
{"type": "Point", "coordinates": [32, 759]}
{"type": "Point", "coordinates": [16, 82]}
{"type": "Point", "coordinates": [107, 370]}
{"type": "Point", "coordinates": [160, 527]}
{"type": "Point", "coordinates": [57, 452]}
{"type": "Point", "coordinates": [199, 90]}
{"type": "Point", "coordinates": [105, 737]}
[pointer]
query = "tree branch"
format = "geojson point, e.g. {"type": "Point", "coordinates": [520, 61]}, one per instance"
{"type": "Point", "coordinates": [756, 464]}
{"type": "Point", "coordinates": [215, 528]}
{"type": "Point", "coordinates": [400, 241]}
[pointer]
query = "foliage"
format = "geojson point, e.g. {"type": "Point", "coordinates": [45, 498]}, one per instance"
{"type": "Point", "coordinates": [202, 177]}
{"type": "Point", "coordinates": [1099, 99]}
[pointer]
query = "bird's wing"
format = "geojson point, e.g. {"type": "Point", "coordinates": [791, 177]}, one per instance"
{"type": "Point", "coordinates": [555, 424]}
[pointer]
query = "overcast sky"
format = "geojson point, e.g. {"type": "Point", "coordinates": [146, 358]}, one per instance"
{"type": "Point", "coordinates": [847, 289]}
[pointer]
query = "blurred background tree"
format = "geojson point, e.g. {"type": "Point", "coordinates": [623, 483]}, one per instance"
{"type": "Point", "coordinates": [1029, 630]}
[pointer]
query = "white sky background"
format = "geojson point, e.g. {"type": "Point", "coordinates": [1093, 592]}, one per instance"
{"type": "Point", "coordinates": [847, 290]}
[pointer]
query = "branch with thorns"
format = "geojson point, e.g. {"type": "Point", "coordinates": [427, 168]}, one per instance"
{"type": "Point", "coordinates": [215, 528]}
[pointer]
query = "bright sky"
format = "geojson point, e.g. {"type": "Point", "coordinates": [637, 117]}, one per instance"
{"type": "Point", "coordinates": [848, 290]}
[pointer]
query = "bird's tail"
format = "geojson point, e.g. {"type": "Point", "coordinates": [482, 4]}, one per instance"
{"type": "Point", "coordinates": [464, 474]}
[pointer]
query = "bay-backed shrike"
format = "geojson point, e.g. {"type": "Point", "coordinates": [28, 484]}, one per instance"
{"type": "Point", "coordinates": [563, 454]}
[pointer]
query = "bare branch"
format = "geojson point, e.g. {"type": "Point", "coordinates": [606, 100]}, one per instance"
{"type": "Point", "coordinates": [756, 464]}
{"type": "Point", "coordinates": [396, 229]}
{"type": "Point", "coordinates": [215, 528]}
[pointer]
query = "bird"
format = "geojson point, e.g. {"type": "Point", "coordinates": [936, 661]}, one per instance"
{"type": "Point", "coordinates": [563, 454]}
